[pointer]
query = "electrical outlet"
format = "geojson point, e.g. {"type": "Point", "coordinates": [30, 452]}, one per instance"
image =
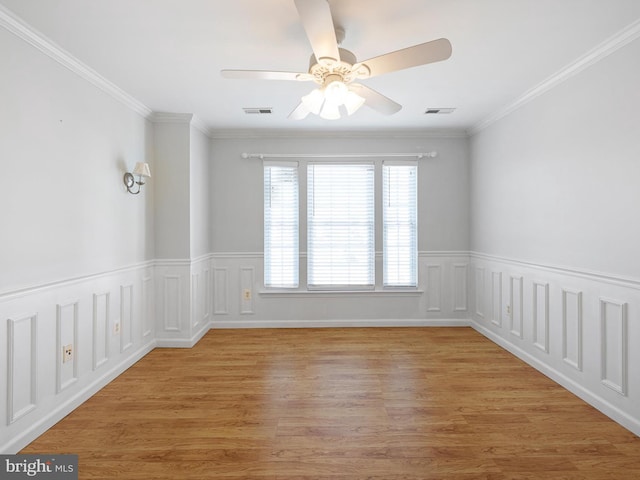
{"type": "Point", "coordinates": [116, 328]}
{"type": "Point", "coordinates": [508, 309]}
{"type": "Point", "coordinates": [67, 353]}
{"type": "Point", "coordinates": [246, 294]}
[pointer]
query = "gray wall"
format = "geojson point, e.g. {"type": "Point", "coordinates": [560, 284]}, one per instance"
{"type": "Point", "coordinates": [237, 184]}
{"type": "Point", "coordinates": [63, 150]}
{"type": "Point", "coordinates": [557, 181]}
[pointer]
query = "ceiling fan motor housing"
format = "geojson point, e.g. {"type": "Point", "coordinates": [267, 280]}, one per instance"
{"type": "Point", "coordinates": [346, 67]}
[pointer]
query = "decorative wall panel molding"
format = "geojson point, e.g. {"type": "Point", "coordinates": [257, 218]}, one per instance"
{"type": "Point", "coordinates": [126, 317]}
{"type": "Point", "coordinates": [206, 298]}
{"type": "Point", "coordinates": [562, 324]}
{"type": "Point", "coordinates": [39, 387]}
{"type": "Point", "coordinates": [614, 344]}
{"type": "Point", "coordinates": [101, 333]}
{"type": "Point", "coordinates": [480, 291]}
{"type": "Point", "coordinates": [434, 288]}
{"type": "Point", "coordinates": [496, 298]}
{"type": "Point", "coordinates": [572, 328]}
{"type": "Point", "coordinates": [66, 334]}
{"type": "Point", "coordinates": [540, 315]}
{"type": "Point", "coordinates": [172, 303]}
{"type": "Point", "coordinates": [22, 367]}
{"type": "Point", "coordinates": [147, 306]}
{"type": "Point", "coordinates": [460, 287]}
{"type": "Point", "coordinates": [196, 299]}
{"type": "Point", "coordinates": [246, 290]}
{"type": "Point", "coordinates": [515, 302]}
{"type": "Point", "coordinates": [221, 291]}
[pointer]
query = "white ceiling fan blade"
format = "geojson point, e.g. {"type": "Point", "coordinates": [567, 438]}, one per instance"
{"type": "Point", "coordinates": [376, 100]}
{"type": "Point", "coordinates": [264, 75]}
{"type": "Point", "coordinates": [429, 52]}
{"type": "Point", "coordinates": [316, 19]}
{"type": "Point", "coordinates": [299, 113]}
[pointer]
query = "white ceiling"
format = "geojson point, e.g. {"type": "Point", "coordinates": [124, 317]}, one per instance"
{"type": "Point", "coordinates": [168, 53]}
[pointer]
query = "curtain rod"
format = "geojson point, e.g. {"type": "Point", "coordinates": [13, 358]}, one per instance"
{"type": "Point", "coordinates": [262, 156]}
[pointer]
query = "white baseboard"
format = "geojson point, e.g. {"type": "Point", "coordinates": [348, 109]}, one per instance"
{"type": "Point", "coordinates": [240, 323]}
{"type": "Point", "coordinates": [183, 342]}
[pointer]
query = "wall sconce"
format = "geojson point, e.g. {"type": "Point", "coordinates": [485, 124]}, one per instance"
{"type": "Point", "coordinates": [142, 170]}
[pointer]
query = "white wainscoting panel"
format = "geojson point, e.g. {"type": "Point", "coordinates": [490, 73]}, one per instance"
{"type": "Point", "coordinates": [200, 293]}
{"type": "Point", "coordinates": [66, 334]}
{"type": "Point", "coordinates": [577, 328]}
{"type": "Point", "coordinates": [246, 290]}
{"type": "Point", "coordinates": [440, 298]}
{"type": "Point", "coordinates": [126, 317]}
{"type": "Point", "coordinates": [101, 333]}
{"type": "Point", "coordinates": [460, 287]}
{"type": "Point", "coordinates": [172, 303]}
{"type": "Point", "coordinates": [147, 306]}
{"type": "Point", "coordinates": [221, 291]}
{"type": "Point", "coordinates": [196, 297]}
{"type": "Point", "coordinates": [572, 328]}
{"type": "Point", "coordinates": [613, 350]}
{"type": "Point", "coordinates": [540, 315]}
{"type": "Point", "coordinates": [496, 298]}
{"type": "Point", "coordinates": [22, 367]}
{"type": "Point", "coordinates": [517, 308]}
{"type": "Point", "coordinates": [480, 291]}
{"type": "Point", "coordinates": [206, 298]}
{"type": "Point", "coordinates": [434, 288]}
{"type": "Point", "coordinates": [180, 297]}
{"type": "Point", "coordinates": [39, 387]}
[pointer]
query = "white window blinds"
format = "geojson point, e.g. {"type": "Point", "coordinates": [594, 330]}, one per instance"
{"type": "Point", "coordinates": [340, 225]}
{"type": "Point", "coordinates": [281, 225]}
{"type": "Point", "coordinates": [400, 230]}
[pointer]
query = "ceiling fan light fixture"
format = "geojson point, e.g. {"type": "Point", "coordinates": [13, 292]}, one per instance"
{"type": "Point", "coordinates": [353, 102]}
{"type": "Point", "coordinates": [335, 91]}
{"type": "Point", "coordinates": [313, 101]}
{"type": "Point", "coordinates": [330, 111]}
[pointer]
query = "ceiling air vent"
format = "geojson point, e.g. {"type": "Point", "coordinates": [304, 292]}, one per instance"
{"type": "Point", "coordinates": [258, 111]}
{"type": "Point", "coordinates": [438, 111]}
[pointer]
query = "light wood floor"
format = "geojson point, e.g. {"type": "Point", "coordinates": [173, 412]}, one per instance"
{"type": "Point", "coordinates": [387, 404]}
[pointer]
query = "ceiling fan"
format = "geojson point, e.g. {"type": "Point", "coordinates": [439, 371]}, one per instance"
{"type": "Point", "coordinates": [335, 69]}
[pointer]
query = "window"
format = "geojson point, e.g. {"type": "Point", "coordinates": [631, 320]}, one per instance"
{"type": "Point", "coordinates": [343, 208]}
{"type": "Point", "coordinates": [340, 225]}
{"type": "Point", "coordinates": [281, 225]}
{"type": "Point", "coordinates": [399, 205]}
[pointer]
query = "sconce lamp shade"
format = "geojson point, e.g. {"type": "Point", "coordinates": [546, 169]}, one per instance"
{"type": "Point", "coordinates": [142, 169]}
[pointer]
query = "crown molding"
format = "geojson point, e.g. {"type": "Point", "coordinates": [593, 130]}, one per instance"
{"type": "Point", "coordinates": [169, 117]}
{"type": "Point", "coordinates": [180, 118]}
{"type": "Point", "coordinates": [603, 50]}
{"type": "Point", "coordinates": [12, 23]}
{"type": "Point", "coordinates": [290, 133]}
{"type": "Point", "coordinates": [201, 126]}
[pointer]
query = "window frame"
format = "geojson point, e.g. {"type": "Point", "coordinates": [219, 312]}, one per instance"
{"type": "Point", "coordinates": [412, 215]}
{"type": "Point", "coordinates": [369, 225]}
{"type": "Point", "coordinates": [268, 278]}
{"type": "Point", "coordinates": [378, 286]}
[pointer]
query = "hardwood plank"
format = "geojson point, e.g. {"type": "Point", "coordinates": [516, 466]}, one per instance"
{"type": "Point", "coordinates": [284, 404]}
